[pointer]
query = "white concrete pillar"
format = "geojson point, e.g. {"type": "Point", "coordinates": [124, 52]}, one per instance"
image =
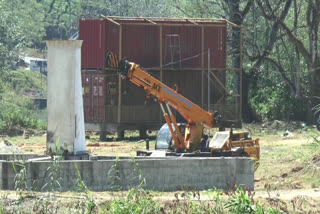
{"type": "Point", "coordinates": [64, 98]}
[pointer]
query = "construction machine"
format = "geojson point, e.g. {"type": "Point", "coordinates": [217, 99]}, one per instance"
{"type": "Point", "coordinates": [189, 138]}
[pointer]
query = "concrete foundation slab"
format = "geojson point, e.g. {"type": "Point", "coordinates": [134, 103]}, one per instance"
{"type": "Point", "coordinates": [161, 174]}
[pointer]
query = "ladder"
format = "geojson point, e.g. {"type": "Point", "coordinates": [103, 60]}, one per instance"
{"type": "Point", "coordinates": [172, 50]}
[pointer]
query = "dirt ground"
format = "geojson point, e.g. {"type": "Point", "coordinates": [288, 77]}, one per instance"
{"type": "Point", "coordinates": [289, 167]}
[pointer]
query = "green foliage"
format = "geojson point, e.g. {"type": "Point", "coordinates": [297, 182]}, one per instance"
{"type": "Point", "coordinates": [53, 173]}
{"type": "Point", "coordinates": [17, 113]}
{"type": "Point", "coordinates": [20, 177]}
{"type": "Point", "coordinates": [82, 188]}
{"type": "Point", "coordinates": [272, 101]}
{"type": "Point", "coordinates": [137, 201]}
{"type": "Point", "coordinates": [16, 110]}
{"type": "Point", "coordinates": [20, 26]}
{"type": "Point", "coordinates": [240, 203]}
{"type": "Point", "coordinates": [316, 109]}
{"type": "Point", "coordinates": [114, 180]}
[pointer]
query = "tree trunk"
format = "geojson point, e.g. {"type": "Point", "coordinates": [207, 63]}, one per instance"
{"type": "Point", "coordinates": [314, 64]}
{"type": "Point", "coordinates": [314, 75]}
{"type": "Point", "coordinates": [247, 113]}
{"type": "Point", "coordinates": [235, 17]}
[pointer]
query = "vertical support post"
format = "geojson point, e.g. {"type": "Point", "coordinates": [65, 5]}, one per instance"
{"type": "Point", "coordinates": [202, 65]}
{"type": "Point", "coordinates": [119, 77]}
{"type": "Point", "coordinates": [161, 61]}
{"type": "Point", "coordinates": [161, 53]}
{"type": "Point", "coordinates": [65, 103]}
{"type": "Point", "coordinates": [209, 79]}
{"type": "Point", "coordinates": [241, 52]}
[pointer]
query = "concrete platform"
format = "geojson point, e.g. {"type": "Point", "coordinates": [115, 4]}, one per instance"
{"type": "Point", "coordinates": [162, 174]}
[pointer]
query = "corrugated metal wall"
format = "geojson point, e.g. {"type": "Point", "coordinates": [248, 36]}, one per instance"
{"type": "Point", "coordinates": [141, 44]}
{"type": "Point", "coordinates": [92, 32]}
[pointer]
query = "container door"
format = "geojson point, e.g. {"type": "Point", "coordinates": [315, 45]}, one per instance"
{"type": "Point", "coordinates": [98, 97]}
{"type": "Point", "coordinates": [93, 86]}
{"type": "Point", "coordinates": [86, 91]}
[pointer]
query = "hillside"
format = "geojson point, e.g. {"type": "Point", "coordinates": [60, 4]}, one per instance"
{"type": "Point", "coordinates": [17, 110]}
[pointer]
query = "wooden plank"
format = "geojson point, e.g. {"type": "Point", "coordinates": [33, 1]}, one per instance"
{"type": "Point", "coordinates": [161, 51]}
{"type": "Point", "coordinates": [174, 25]}
{"type": "Point", "coordinates": [182, 69]}
{"type": "Point", "coordinates": [157, 19]}
{"type": "Point", "coordinates": [241, 52]}
{"type": "Point", "coordinates": [148, 20]}
{"type": "Point", "coordinates": [232, 24]}
{"type": "Point", "coordinates": [188, 20]}
{"type": "Point", "coordinates": [202, 66]}
{"type": "Point", "coordinates": [114, 22]}
{"type": "Point", "coordinates": [161, 64]}
{"type": "Point", "coordinates": [119, 76]}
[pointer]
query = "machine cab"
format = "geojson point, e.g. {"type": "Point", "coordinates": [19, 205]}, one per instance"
{"type": "Point", "coordinates": [164, 138]}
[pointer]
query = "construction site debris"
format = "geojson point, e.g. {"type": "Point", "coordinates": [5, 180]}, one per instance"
{"type": "Point", "coordinates": [8, 147]}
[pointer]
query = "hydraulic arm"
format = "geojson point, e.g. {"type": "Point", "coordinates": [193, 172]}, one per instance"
{"type": "Point", "coordinates": [196, 117]}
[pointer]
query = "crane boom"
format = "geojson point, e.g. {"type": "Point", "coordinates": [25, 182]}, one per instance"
{"type": "Point", "coordinates": [196, 117]}
{"type": "Point", "coordinates": [189, 110]}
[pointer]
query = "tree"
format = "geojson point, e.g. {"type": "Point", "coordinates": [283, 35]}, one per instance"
{"type": "Point", "coordinates": [20, 26]}
{"type": "Point", "coordinates": [310, 54]}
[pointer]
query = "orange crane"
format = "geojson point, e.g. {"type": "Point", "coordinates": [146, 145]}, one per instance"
{"type": "Point", "coordinates": [196, 117]}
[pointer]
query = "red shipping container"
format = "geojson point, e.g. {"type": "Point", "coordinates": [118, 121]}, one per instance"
{"type": "Point", "coordinates": [140, 43]}
{"type": "Point", "coordinates": [93, 51]}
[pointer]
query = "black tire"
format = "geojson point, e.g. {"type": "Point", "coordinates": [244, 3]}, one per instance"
{"type": "Point", "coordinates": [103, 136]}
{"type": "Point", "coordinates": [142, 134]}
{"type": "Point", "coordinates": [120, 134]}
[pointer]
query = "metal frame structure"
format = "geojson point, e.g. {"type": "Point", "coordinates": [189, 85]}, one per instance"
{"type": "Point", "coordinates": [160, 22]}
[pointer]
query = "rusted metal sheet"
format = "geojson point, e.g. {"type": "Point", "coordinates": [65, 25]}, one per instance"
{"type": "Point", "coordinates": [185, 43]}
{"type": "Point", "coordinates": [141, 44]}
{"type": "Point", "coordinates": [215, 39]}
{"type": "Point", "coordinates": [112, 38]}
{"type": "Point", "coordinates": [94, 95]}
{"type": "Point", "coordinates": [92, 32]}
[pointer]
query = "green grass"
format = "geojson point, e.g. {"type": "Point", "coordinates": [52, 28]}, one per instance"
{"type": "Point", "coordinates": [286, 163]}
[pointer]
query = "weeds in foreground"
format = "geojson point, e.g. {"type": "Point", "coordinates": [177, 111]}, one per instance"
{"type": "Point", "coordinates": [138, 200]}
{"type": "Point", "coordinates": [114, 180]}
{"type": "Point", "coordinates": [241, 202]}
{"type": "Point", "coordinates": [20, 179]}
{"type": "Point", "coordinates": [89, 202]}
{"type": "Point", "coordinates": [53, 171]}
{"type": "Point", "coordinates": [53, 174]}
